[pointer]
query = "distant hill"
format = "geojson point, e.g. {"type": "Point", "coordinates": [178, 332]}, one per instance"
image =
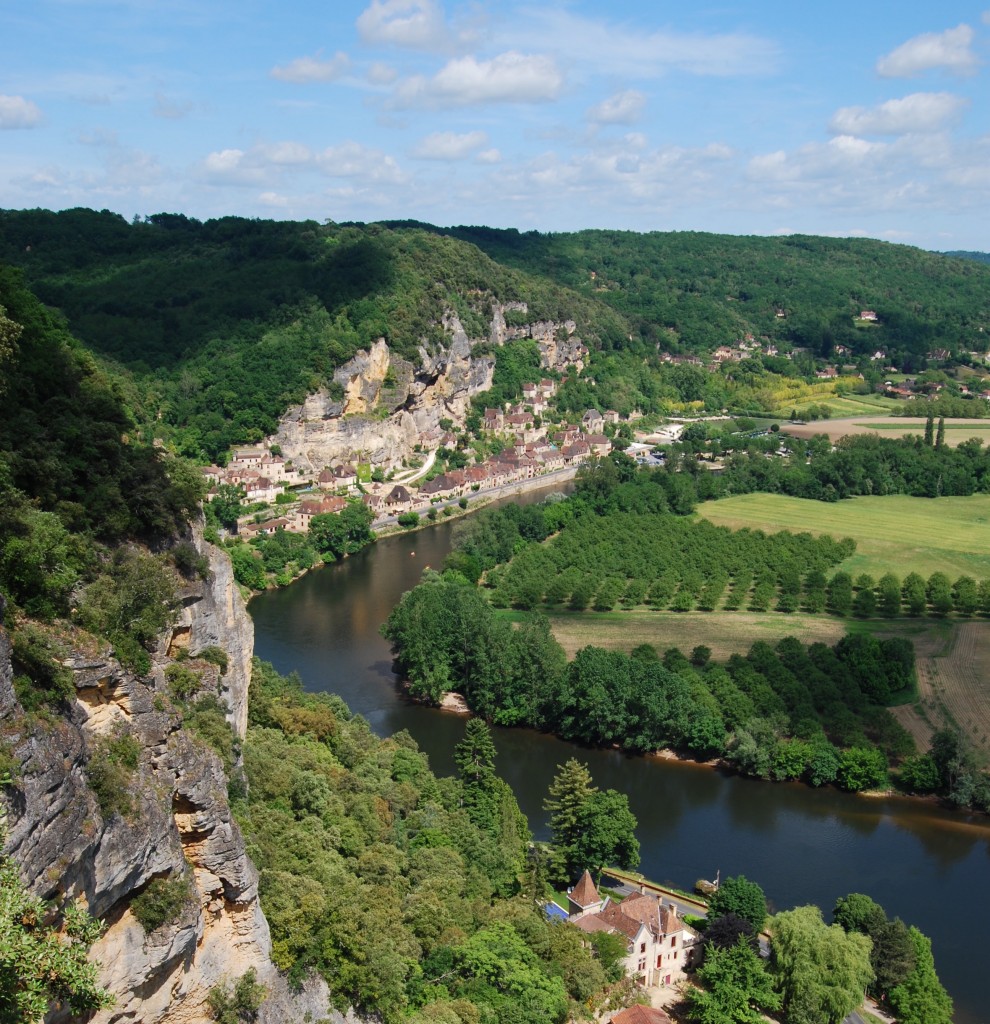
{"type": "Point", "coordinates": [223, 325]}
{"type": "Point", "coordinates": [980, 257]}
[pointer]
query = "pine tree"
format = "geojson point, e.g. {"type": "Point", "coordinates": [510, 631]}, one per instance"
{"type": "Point", "coordinates": [569, 792]}
{"type": "Point", "coordinates": [475, 760]}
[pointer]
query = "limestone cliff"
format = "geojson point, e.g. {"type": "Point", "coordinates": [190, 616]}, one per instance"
{"type": "Point", "coordinates": [382, 406]}
{"type": "Point", "coordinates": [178, 823]}
{"type": "Point", "coordinates": [214, 615]}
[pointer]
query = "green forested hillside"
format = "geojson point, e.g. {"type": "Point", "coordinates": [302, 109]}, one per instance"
{"type": "Point", "coordinates": [691, 291]}
{"type": "Point", "coordinates": [222, 325]}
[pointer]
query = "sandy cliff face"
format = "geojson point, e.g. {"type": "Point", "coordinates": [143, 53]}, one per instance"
{"type": "Point", "coordinates": [179, 824]}
{"type": "Point", "coordinates": [390, 405]}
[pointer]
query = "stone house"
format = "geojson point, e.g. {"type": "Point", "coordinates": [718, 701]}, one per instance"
{"type": "Point", "coordinates": [658, 943]}
{"type": "Point", "coordinates": [592, 422]}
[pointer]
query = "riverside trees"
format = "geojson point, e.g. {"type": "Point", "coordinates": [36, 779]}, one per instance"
{"type": "Point", "coordinates": [590, 828]}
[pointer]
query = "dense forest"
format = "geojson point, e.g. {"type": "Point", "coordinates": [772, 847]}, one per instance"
{"type": "Point", "coordinates": [223, 325]}
{"type": "Point", "coordinates": [690, 291]}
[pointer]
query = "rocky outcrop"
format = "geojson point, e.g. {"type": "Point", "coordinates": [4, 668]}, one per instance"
{"type": "Point", "coordinates": [177, 824]}
{"type": "Point", "coordinates": [382, 407]}
{"type": "Point", "coordinates": [214, 614]}
{"type": "Point", "coordinates": [388, 405]}
{"type": "Point", "coordinates": [174, 823]}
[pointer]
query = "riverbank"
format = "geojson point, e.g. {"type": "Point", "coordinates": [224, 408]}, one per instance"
{"type": "Point", "coordinates": [451, 510]}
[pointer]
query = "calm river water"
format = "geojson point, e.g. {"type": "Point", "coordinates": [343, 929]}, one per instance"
{"type": "Point", "coordinates": [801, 845]}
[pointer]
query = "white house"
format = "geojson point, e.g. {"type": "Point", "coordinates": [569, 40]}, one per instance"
{"type": "Point", "coordinates": [658, 943]}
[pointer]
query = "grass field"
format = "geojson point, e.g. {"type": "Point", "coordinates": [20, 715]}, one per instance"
{"type": "Point", "coordinates": [724, 632]}
{"type": "Point", "coordinates": [848, 405]}
{"type": "Point", "coordinates": [893, 533]}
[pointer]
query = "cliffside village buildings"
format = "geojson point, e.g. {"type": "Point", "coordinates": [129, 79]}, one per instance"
{"type": "Point", "coordinates": [528, 452]}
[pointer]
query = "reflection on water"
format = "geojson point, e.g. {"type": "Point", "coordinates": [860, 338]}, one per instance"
{"type": "Point", "coordinates": [802, 845]}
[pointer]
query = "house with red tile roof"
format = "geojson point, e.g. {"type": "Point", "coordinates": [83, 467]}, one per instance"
{"type": "Point", "coordinates": [640, 1015]}
{"type": "Point", "coordinates": [658, 943]}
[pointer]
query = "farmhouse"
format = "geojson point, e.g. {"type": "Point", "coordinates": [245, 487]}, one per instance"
{"type": "Point", "coordinates": [658, 943]}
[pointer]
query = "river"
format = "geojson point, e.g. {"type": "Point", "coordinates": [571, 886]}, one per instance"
{"type": "Point", "coordinates": [801, 845]}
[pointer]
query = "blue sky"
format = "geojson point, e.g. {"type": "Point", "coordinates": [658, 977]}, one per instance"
{"type": "Point", "coordinates": [867, 118]}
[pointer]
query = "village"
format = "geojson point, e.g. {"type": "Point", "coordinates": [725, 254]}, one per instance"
{"type": "Point", "coordinates": [527, 450]}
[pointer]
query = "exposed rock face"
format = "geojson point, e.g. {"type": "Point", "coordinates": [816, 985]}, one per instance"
{"type": "Point", "coordinates": [179, 824]}
{"type": "Point", "coordinates": [214, 615]}
{"type": "Point", "coordinates": [389, 406]}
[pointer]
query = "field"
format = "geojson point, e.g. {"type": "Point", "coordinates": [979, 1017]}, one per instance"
{"type": "Point", "coordinates": [893, 533]}
{"type": "Point", "coordinates": [956, 431]}
{"type": "Point", "coordinates": [953, 658]}
{"type": "Point", "coordinates": [724, 632]}
{"type": "Point", "coordinates": [844, 405]}
{"type": "Point", "coordinates": [954, 682]}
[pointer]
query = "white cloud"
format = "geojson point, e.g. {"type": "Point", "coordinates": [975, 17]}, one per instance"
{"type": "Point", "coordinates": [415, 24]}
{"type": "Point", "coordinates": [449, 145]}
{"type": "Point", "coordinates": [622, 108]}
{"type": "Point", "coordinates": [488, 156]}
{"type": "Point", "coordinates": [354, 160]}
{"type": "Point", "coordinates": [950, 50]}
{"type": "Point", "coordinates": [629, 51]}
{"type": "Point", "coordinates": [382, 74]}
{"type": "Point", "coordinates": [511, 77]}
{"type": "Point", "coordinates": [268, 164]}
{"type": "Point", "coordinates": [273, 199]}
{"type": "Point", "coordinates": [17, 112]}
{"type": "Point", "coordinates": [284, 154]}
{"type": "Point", "coordinates": [919, 112]}
{"type": "Point", "coordinates": [224, 161]}
{"type": "Point", "coordinates": [312, 69]}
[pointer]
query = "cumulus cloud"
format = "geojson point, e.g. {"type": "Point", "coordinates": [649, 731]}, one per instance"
{"type": "Point", "coordinates": [312, 69]}
{"type": "Point", "coordinates": [950, 50]}
{"type": "Point", "coordinates": [414, 24]}
{"type": "Point", "coordinates": [266, 164]}
{"type": "Point", "coordinates": [354, 160]}
{"type": "Point", "coordinates": [17, 112]}
{"type": "Point", "coordinates": [511, 77]}
{"type": "Point", "coordinates": [622, 108]}
{"type": "Point", "coordinates": [488, 156]}
{"type": "Point", "coordinates": [449, 145]}
{"type": "Point", "coordinates": [273, 199]}
{"type": "Point", "coordinates": [629, 51]}
{"type": "Point", "coordinates": [224, 160]}
{"type": "Point", "coordinates": [919, 112]}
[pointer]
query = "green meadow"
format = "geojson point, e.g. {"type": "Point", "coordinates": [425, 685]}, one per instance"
{"type": "Point", "coordinates": [893, 533]}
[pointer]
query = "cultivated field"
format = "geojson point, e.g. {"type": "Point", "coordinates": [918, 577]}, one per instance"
{"type": "Point", "coordinates": [724, 632]}
{"type": "Point", "coordinates": [956, 431]}
{"type": "Point", "coordinates": [954, 682]}
{"type": "Point", "coordinates": [893, 533]}
{"type": "Point", "coordinates": [953, 658]}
